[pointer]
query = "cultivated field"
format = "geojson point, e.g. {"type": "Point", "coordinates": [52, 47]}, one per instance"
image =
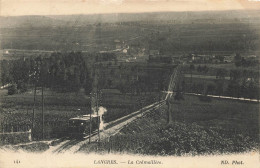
{"type": "Point", "coordinates": [17, 110]}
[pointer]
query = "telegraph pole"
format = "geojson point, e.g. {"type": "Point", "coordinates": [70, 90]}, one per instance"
{"type": "Point", "coordinates": [33, 116]}
{"type": "Point", "coordinates": [36, 70]}
{"type": "Point", "coordinates": [98, 116]}
{"type": "Point", "coordinates": [42, 114]}
{"type": "Point", "coordinates": [91, 103]}
{"type": "Point", "coordinates": [96, 87]}
{"type": "Point", "coordinates": [42, 78]}
{"type": "Point", "coordinates": [94, 103]}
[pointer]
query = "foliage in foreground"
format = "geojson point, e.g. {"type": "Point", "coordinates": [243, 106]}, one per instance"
{"type": "Point", "coordinates": [150, 135]}
{"type": "Point", "coordinates": [180, 138]}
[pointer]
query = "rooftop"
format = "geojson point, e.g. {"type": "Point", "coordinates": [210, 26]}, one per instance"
{"type": "Point", "coordinates": [84, 117]}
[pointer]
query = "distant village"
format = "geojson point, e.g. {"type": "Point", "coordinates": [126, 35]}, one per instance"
{"type": "Point", "coordinates": [135, 52]}
{"type": "Point", "coordinates": [131, 53]}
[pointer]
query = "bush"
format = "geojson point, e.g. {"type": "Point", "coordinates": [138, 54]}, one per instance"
{"type": "Point", "coordinates": [35, 147]}
{"type": "Point", "coordinates": [180, 139]}
{"type": "Point", "coordinates": [205, 98]}
{"type": "Point", "coordinates": [22, 87]}
{"type": "Point", "coordinates": [12, 89]}
{"type": "Point", "coordinates": [179, 96]}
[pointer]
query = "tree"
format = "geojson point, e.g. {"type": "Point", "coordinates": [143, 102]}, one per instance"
{"type": "Point", "coordinates": [233, 89]}
{"type": "Point", "coordinates": [5, 68]}
{"type": "Point", "coordinates": [211, 88]}
{"type": "Point", "coordinates": [235, 75]}
{"type": "Point", "coordinates": [22, 86]}
{"type": "Point", "coordinates": [192, 68]}
{"type": "Point", "coordinates": [221, 73]}
{"type": "Point", "coordinates": [199, 69]}
{"type": "Point", "coordinates": [237, 59]}
{"type": "Point", "coordinates": [219, 87]}
{"type": "Point", "coordinates": [252, 90]}
{"type": "Point", "coordinates": [178, 96]}
{"type": "Point", "coordinates": [205, 69]}
{"type": "Point", "coordinates": [244, 89]}
{"type": "Point", "coordinates": [12, 89]}
{"type": "Point", "coordinates": [169, 103]}
{"type": "Point", "coordinates": [88, 86]}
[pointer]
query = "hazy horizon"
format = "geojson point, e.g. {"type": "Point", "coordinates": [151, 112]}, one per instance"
{"type": "Point", "coordinates": [90, 7]}
{"type": "Point", "coordinates": [133, 13]}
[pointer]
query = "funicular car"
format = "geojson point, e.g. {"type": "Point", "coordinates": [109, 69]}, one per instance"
{"type": "Point", "coordinates": [79, 127]}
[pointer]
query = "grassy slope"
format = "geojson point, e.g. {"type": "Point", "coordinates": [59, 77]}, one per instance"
{"type": "Point", "coordinates": [17, 110]}
{"type": "Point", "coordinates": [200, 128]}
{"type": "Point", "coordinates": [59, 107]}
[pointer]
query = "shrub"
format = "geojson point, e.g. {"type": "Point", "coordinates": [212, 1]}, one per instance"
{"type": "Point", "coordinates": [22, 87]}
{"type": "Point", "coordinates": [205, 98]}
{"type": "Point", "coordinates": [12, 89]}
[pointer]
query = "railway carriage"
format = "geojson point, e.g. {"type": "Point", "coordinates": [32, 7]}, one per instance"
{"type": "Point", "coordinates": [79, 127]}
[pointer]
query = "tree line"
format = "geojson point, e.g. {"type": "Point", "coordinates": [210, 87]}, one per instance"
{"type": "Point", "coordinates": [69, 72]}
{"type": "Point", "coordinates": [60, 72]}
{"type": "Point", "coordinates": [234, 83]}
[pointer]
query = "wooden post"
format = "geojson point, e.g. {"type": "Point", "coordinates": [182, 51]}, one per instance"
{"type": "Point", "coordinates": [42, 115]}
{"type": "Point", "coordinates": [169, 111]}
{"type": "Point", "coordinates": [90, 116]}
{"type": "Point", "coordinates": [98, 116]}
{"type": "Point", "coordinates": [109, 145]}
{"type": "Point", "coordinates": [33, 115]}
{"type": "Point", "coordinates": [90, 125]}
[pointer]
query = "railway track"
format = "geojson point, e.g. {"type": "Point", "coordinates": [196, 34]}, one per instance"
{"type": "Point", "coordinates": [112, 128]}
{"type": "Point", "coordinates": [73, 145]}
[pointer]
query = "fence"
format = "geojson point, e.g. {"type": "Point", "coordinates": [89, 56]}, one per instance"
{"type": "Point", "coordinates": [20, 133]}
{"type": "Point", "coordinates": [13, 134]}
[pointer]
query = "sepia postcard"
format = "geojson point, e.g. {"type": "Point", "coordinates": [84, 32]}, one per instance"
{"type": "Point", "coordinates": [129, 83]}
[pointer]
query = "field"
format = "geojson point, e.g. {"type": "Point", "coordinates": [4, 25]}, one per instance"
{"type": "Point", "coordinates": [199, 84]}
{"type": "Point", "coordinates": [17, 110]}
{"type": "Point", "coordinates": [121, 105]}
{"type": "Point", "coordinates": [216, 127]}
{"type": "Point", "coordinates": [213, 68]}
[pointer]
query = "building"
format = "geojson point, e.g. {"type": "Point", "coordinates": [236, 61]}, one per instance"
{"type": "Point", "coordinates": [228, 58]}
{"type": "Point", "coordinates": [160, 59]}
{"type": "Point", "coordinates": [118, 44]}
{"type": "Point", "coordinates": [154, 53]}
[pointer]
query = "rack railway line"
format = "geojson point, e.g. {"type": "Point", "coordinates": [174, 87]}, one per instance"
{"type": "Point", "coordinates": [114, 127]}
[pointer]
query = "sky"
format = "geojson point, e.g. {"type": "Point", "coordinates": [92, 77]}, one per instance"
{"type": "Point", "coordinates": [68, 7]}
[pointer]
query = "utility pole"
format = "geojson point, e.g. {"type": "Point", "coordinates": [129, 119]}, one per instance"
{"type": "Point", "coordinates": [42, 78]}
{"type": "Point", "coordinates": [96, 87]}
{"type": "Point", "coordinates": [90, 125]}
{"type": "Point", "coordinates": [94, 103]}
{"type": "Point", "coordinates": [36, 70]}
{"type": "Point", "coordinates": [90, 116]}
{"type": "Point", "coordinates": [98, 116]}
{"type": "Point", "coordinates": [168, 103]}
{"type": "Point", "coordinates": [33, 115]}
{"type": "Point", "coordinates": [258, 78]}
{"type": "Point", "coordinates": [42, 113]}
